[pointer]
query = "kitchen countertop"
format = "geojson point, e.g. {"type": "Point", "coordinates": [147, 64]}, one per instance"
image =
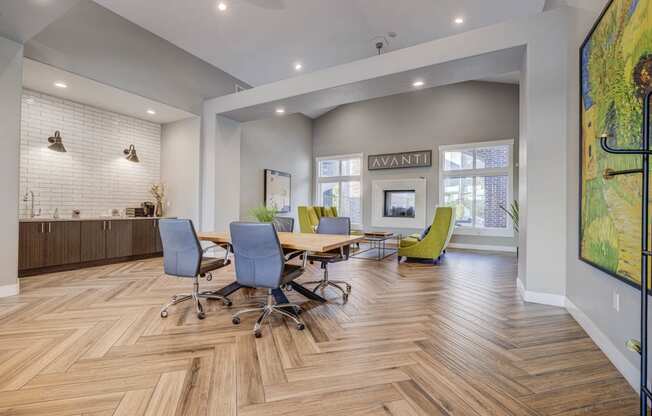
{"type": "Point", "coordinates": [107, 218]}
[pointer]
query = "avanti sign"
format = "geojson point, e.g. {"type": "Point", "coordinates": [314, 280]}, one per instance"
{"type": "Point", "coordinates": [420, 159]}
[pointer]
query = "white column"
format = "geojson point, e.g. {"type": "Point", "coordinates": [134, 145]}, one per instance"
{"type": "Point", "coordinates": [220, 172]}
{"type": "Point", "coordinates": [11, 80]}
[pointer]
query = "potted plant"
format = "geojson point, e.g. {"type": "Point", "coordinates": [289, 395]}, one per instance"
{"type": "Point", "coordinates": [513, 212]}
{"type": "Point", "coordinates": [263, 214]}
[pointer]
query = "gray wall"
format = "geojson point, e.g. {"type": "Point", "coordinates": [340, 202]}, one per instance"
{"type": "Point", "coordinates": [281, 143]}
{"type": "Point", "coordinates": [11, 89]}
{"type": "Point", "coordinates": [96, 43]}
{"type": "Point", "coordinates": [180, 143]}
{"type": "Point", "coordinates": [420, 120]}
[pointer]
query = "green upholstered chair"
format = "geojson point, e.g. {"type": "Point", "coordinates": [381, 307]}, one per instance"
{"type": "Point", "coordinates": [434, 243]}
{"type": "Point", "coordinates": [309, 217]}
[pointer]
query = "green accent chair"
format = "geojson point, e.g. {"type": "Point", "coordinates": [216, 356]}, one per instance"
{"type": "Point", "coordinates": [433, 244]}
{"type": "Point", "coordinates": [309, 217]}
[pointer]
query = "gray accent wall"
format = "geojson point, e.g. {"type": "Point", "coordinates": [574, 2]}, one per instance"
{"type": "Point", "coordinates": [280, 143]}
{"type": "Point", "coordinates": [425, 119]}
{"type": "Point", "coordinates": [91, 41]}
{"type": "Point", "coordinates": [11, 89]}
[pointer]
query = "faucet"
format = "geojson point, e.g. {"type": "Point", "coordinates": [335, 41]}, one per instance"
{"type": "Point", "coordinates": [29, 197]}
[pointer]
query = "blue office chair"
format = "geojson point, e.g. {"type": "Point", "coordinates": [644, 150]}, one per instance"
{"type": "Point", "coordinates": [338, 226]}
{"type": "Point", "coordinates": [283, 224]}
{"type": "Point", "coordinates": [183, 256]}
{"type": "Point", "coordinates": [259, 263]}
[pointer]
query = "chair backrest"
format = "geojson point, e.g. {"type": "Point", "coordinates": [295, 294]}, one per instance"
{"type": "Point", "coordinates": [283, 224]}
{"type": "Point", "coordinates": [441, 230]}
{"type": "Point", "coordinates": [259, 260]}
{"type": "Point", "coordinates": [182, 251]}
{"type": "Point", "coordinates": [335, 225]}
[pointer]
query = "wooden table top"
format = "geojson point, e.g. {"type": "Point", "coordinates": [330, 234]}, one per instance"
{"type": "Point", "coordinates": [296, 241]}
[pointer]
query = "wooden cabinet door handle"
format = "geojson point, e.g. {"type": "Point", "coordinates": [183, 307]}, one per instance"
{"type": "Point", "coordinates": [42, 228]}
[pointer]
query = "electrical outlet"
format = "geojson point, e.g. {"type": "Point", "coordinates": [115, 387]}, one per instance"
{"type": "Point", "coordinates": [615, 301]}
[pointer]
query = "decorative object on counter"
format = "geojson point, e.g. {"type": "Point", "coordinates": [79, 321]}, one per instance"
{"type": "Point", "coordinates": [134, 212]}
{"type": "Point", "coordinates": [56, 143]}
{"type": "Point", "coordinates": [29, 197]}
{"type": "Point", "coordinates": [149, 207]}
{"type": "Point", "coordinates": [55, 215]}
{"type": "Point", "coordinates": [115, 212]}
{"type": "Point", "coordinates": [76, 213]}
{"type": "Point", "coordinates": [131, 154]}
{"type": "Point", "coordinates": [158, 192]}
{"type": "Point", "coordinates": [263, 214]}
{"type": "Point", "coordinates": [278, 190]}
{"type": "Point", "coordinates": [420, 159]}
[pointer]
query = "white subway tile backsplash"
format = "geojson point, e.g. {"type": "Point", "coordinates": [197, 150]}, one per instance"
{"type": "Point", "coordinates": [93, 175]}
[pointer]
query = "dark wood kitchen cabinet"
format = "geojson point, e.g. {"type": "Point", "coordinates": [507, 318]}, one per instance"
{"type": "Point", "coordinates": [67, 245]}
{"type": "Point", "coordinates": [31, 247]}
{"type": "Point", "coordinates": [119, 241]}
{"type": "Point", "coordinates": [145, 235]}
{"type": "Point", "coordinates": [93, 239]}
{"type": "Point", "coordinates": [63, 243]}
{"type": "Point", "coordinates": [47, 244]}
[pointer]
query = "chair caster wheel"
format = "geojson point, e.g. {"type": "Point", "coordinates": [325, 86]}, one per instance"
{"type": "Point", "coordinates": [348, 289]}
{"type": "Point", "coordinates": [209, 277]}
{"type": "Point", "coordinates": [258, 334]}
{"type": "Point", "coordinates": [301, 327]}
{"type": "Point", "coordinates": [228, 303]}
{"type": "Point", "coordinates": [164, 314]}
{"type": "Point", "coordinates": [236, 321]}
{"type": "Point", "coordinates": [345, 297]}
{"type": "Point", "coordinates": [201, 315]}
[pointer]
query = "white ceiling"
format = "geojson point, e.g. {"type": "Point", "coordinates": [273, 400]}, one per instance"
{"type": "Point", "coordinates": [41, 77]}
{"type": "Point", "coordinates": [258, 41]}
{"type": "Point", "coordinates": [22, 19]}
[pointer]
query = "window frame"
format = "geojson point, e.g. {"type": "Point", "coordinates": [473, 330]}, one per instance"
{"type": "Point", "coordinates": [508, 231]}
{"type": "Point", "coordinates": [339, 180]}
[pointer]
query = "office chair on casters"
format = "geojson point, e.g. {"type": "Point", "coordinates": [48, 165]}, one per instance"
{"type": "Point", "coordinates": [332, 225]}
{"type": "Point", "coordinates": [259, 263]}
{"type": "Point", "coordinates": [283, 224]}
{"type": "Point", "coordinates": [183, 256]}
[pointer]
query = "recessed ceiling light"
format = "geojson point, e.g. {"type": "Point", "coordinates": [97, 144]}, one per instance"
{"type": "Point", "coordinates": [221, 6]}
{"type": "Point", "coordinates": [60, 84]}
{"type": "Point", "coordinates": [298, 66]}
{"type": "Point", "coordinates": [459, 20]}
{"type": "Point", "coordinates": [150, 111]}
{"type": "Point", "coordinates": [280, 111]}
{"type": "Point", "coordinates": [418, 84]}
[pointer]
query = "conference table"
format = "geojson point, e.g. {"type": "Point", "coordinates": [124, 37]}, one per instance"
{"type": "Point", "coordinates": [305, 242]}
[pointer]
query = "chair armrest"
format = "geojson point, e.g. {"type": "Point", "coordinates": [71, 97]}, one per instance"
{"type": "Point", "coordinates": [293, 254]}
{"type": "Point", "coordinates": [226, 246]}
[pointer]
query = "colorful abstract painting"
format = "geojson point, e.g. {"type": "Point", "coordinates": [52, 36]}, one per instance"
{"type": "Point", "coordinates": [616, 71]}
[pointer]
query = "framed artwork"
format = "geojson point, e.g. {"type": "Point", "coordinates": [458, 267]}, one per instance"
{"type": "Point", "coordinates": [278, 190]}
{"type": "Point", "coordinates": [615, 73]}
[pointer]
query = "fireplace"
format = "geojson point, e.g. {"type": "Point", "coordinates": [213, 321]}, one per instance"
{"type": "Point", "coordinates": [399, 203]}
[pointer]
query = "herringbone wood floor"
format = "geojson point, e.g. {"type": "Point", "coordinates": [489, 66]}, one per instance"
{"type": "Point", "coordinates": [413, 340]}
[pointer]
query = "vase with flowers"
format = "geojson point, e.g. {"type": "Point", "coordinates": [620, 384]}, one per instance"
{"type": "Point", "coordinates": [158, 192]}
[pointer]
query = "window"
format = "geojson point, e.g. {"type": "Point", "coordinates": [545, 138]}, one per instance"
{"type": "Point", "coordinates": [339, 184]}
{"type": "Point", "coordinates": [476, 179]}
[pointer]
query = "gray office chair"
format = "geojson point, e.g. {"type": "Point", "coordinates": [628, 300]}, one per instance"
{"type": "Point", "coordinates": [259, 263]}
{"type": "Point", "coordinates": [339, 226]}
{"type": "Point", "coordinates": [183, 256]}
{"type": "Point", "coordinates": [283, 224]}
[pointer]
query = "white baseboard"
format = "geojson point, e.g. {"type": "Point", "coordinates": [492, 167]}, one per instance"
{"type": "Point", "coordinates": [617, 358]}
{"type": "Point", "coordinates": [540, 297]}
{"type": "Point", "coordinates": [9, 290]}
{"type": "Point", "coordinates": [482, 247]}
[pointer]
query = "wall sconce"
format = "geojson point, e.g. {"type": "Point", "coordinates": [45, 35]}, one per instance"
{"type": "Point", "coordinates": [56, 143]}
{"type": "Point", "coordinates": [131, 154]}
